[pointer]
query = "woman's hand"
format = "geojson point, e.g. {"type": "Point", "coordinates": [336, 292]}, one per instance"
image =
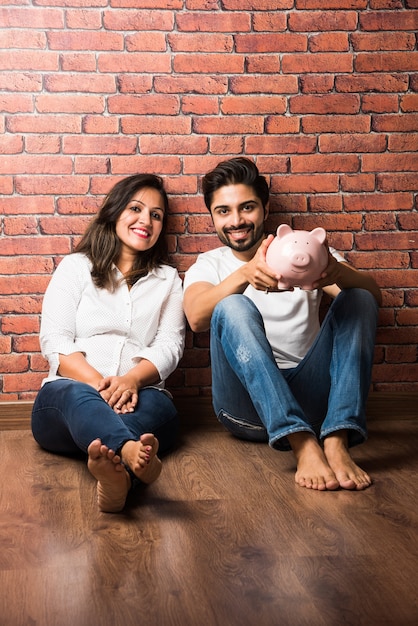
{"type": "Point", "coordinates": [120, 392]}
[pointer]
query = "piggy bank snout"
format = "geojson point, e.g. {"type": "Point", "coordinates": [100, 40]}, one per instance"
{"type": "Point", "coordinates": [300, 259]}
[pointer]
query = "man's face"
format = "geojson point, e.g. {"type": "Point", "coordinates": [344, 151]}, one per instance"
{"type": "Point", "coordinates": [238, 216]}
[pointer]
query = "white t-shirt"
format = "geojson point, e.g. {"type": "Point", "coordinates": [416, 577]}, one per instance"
{"type": "Point", "coordinates": [115, 330]}
{"type": "Point", "coordinates": [291, 318]}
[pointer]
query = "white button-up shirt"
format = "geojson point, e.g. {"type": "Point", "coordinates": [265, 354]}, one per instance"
{"type": "Point", "coordinates": [114, 330]}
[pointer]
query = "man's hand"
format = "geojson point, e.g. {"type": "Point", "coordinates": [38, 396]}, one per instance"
{"type": "Point", "coordinates": [258, 273]}
{"type": "Point", "coordinates": [120, 393]}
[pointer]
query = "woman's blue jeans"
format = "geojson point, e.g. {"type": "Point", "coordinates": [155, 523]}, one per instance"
{"type": "Point", "coordinates": [67, 415]}
{"type": "Point", "coordinates": [326, 392]}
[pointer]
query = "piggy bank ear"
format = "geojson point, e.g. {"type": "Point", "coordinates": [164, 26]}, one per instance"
{"type": "Point", "coordinates": [283, 230]}
{"type": "Point", "coordinates": [319, 234]}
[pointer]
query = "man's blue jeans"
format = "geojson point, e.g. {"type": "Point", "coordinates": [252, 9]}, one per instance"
{"type": "Point", "coordinates": [326, 392]}
{"type": "Point", "coordinates": [67, 415]}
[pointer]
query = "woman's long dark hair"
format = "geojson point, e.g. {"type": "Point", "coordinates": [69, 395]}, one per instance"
{"type": "Point", "coordinates": [101, 244]}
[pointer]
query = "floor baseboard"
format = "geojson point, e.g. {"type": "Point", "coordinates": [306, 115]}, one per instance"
{"type": "Point", "coordinates": [198, 410]}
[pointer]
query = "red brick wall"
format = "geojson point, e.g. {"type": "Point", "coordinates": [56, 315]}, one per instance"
{"type": "Point", "coordinates": [323, 94]}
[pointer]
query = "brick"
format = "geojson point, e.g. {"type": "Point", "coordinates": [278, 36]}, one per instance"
{"type": "Point", "coordinates": [233, 124]}
{"type": "Point", "coordinates": [325, 204]}
{"type": "Point", "coordinates": [20, 81]}
{"type": "Point", "coordinates": [150, 42]}
{"type": "Point", "coordinates": [24, 17]}
{"type": "Point", "coordinates": [316, 183]}
{"type": "Point", "coordinates": [40, 144]}
{"type": "Point", "coordinates": [10, 363]}
{"type": "Point", "coordinates": [26, 265]}
{"type": "Point", "coordinates": [387, 241]}
{"type": "Point", "coordinates": [83, 19]}
{"type": "Point", "coordinates": [382, 20]}
{"type": "Point", "coordinates": [20, 226]}
{"type": "Point", "coordinates": [395, 123]}
{"type": "Point", "coordinates": [307, 21]}
{"type": "Point", "coordinates": [280, 145]}
{"type": "Point", "coordinates": [379, 82]}
{"type": "Point", "coordinates": [76, 82]}
{"type": "Point", "coordinates": [236, 105]}
{"type": "Point", "coordinates": [264, 84]}
{"type": "Point", "coordinates": [91, 165]}
{"type": "Point", "coordinates": [20, 324]}
{"type": "Point", "coordinates": [409, 103]}
{"type": "Point", "coordinates": [200, 105]}
{"type": "Point", "coordinates": [158, 125]}
{"type": "Point", "coordinates": [61, 185]}
{"type": "Point", "coordinates": [11, 145]}
{"type": "Point", "coordinates": [173, 144]}
{"type": "Point", "coordinates": [263, 64]}
{"type": "Point", "coordinates": [325, 104]}
{"type": "Point", "coordinates": [379, 103]}
{"type": "Point", "coordinates": [133, 165]}
{"type": "Point", "coordinates": [15, 103]}
{"type": "Point", "coordinates": [405, 161]}
{"type": "Point", "coordinates": [279, 124]}
{"type": "Point", "coordinates": [138, 20]}
{"type": "Point", "coordinates": [336, 124]}
{"type": "Point", "coordinates": [324, 163]}
{"type": "Point", "coordinates": [357, 182]}
{"type": "Point", "coordinates": [332, 42]}
{"type": "Point", "coordinates": [379, 260]}
{"type": "Point", "coordinates": [352, 143]}
{"type": "Point", "coordinates": [141, 105]}
{"type": "Point", "coordinates": [63, 225]}
{"type": "Point", "coordinates": [321, 62]}
{"type": "Point", "coordinates": [33, 60]}
{"type": "Point", "coordinates": [382, 41]}
{"type": "Point", "coordinates": [99, 145]}
{"type": "Point", "coordinates": [44, 124]}
{"type": "Point", "coordinates": [397, 182]}
{"type": "Point", "coordinates": [204, 63]}
{"type": "Point", "coordinates": [213, 22]}
{"type": "Point", "coordinates": [378, 202]}
{"type": "Point", "coordinates": [78, 62]}
{"type": "Point", "coordinates": [381, 221]}
{"type": "Point", "coordinates": [386, 62]}
{"type": "Point", "coordinates": [200, 42]}
{"type": "Point", "coordinates": [270, 43]}
{"type": "Point", "coordinates": [135, 62]}
{"type": "Point", "coordinates": [271, 20]}
{"type": "Point", "coordinates": [194, 84]}
{"type": "Point", "coordinates": [317, 83]}
{"type": "Point", "coordinates": [403, 142]}
{"type": "Point", "coordinates": [75, 104]}
{"type": "Point", "coordinates": [226, 145]}
{"type": "Point", "coordinates": [18, 164]}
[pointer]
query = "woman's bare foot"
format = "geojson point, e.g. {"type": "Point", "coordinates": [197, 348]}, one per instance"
{"type": "Point", "coordinates": [141, 457]}
{"type": "Point", "coordinates": [113, 481]}
{"type": "Point", "coordinates": [348, 473]}
{"type": "Point", "coordinates": [313, 470]}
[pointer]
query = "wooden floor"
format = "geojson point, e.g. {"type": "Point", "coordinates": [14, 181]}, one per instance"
{"type": "Point", "coordinates": [223, 538]}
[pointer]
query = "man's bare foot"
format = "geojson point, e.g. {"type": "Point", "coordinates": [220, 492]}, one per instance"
{"type": "Point", "coordinates": [141, 457]}
{"type": "Point", "coordinates": [113, 481]}
{"type": "Point", "coordinates": [348, 473]}
{"type": "Point", "coordinates": [313, 470]}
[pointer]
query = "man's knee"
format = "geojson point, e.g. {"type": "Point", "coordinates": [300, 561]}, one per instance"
{"type": "Point", "coordinates": [234, 308]}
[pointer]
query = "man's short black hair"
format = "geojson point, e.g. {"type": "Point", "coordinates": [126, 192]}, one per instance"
{"type": "Point", "coordinates": [239, 170]}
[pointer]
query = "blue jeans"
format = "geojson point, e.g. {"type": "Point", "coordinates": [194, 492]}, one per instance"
{"type": "Point", "coordinates": [326, 392]}
{"type": "Point", "coordinates": [67, 415]}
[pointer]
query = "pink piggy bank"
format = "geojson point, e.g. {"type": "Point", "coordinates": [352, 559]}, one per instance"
{"type": "Point", "coordinates": [298, 256]}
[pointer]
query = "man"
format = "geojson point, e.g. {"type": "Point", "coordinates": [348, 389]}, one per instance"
{"type": "Point", "coordinates": [278, 376]}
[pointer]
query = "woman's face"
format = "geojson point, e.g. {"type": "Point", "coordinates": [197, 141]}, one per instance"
{"type": "Point", "coordinates": [140, 223]}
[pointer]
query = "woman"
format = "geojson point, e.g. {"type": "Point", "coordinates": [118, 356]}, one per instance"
{"type": "Point", "coordinates": [113, 330]}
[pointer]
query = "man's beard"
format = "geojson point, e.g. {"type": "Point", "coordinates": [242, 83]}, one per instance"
{"type": "Point", "coordinates": [252, 238]}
